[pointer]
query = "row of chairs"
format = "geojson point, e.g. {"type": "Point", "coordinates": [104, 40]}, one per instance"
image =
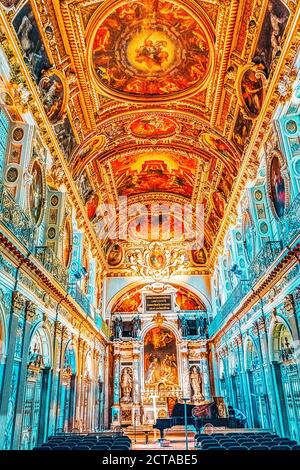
{"type": "Point", "coordinates": [244, 441]}
{"type": "Point", "coordinates": [86, 443]}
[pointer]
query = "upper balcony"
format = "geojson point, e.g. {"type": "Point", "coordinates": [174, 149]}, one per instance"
{"type": "Point", "coordinates": [18, 223]}
{"type": "Point", "coordinates": [80, 297]}
{"type": "Point", "coordinates": [13, 217]}
{"type": "Point", "coordinates": [50, 262]}
{"type": "Point", "coordinates": [269, 255]}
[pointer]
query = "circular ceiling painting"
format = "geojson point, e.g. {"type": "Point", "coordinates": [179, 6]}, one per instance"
{"type": "Point", "coordinates": [157, 49]}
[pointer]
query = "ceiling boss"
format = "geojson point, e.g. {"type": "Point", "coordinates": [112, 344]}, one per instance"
{"type": "Point", "coordinates": [160, 50]}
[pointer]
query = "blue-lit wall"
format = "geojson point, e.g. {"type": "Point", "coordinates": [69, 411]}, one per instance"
{"type": "Point", "coordinates": [256, 287]}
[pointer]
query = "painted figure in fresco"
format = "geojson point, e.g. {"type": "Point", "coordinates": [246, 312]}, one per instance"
{"type": "Point", "coordinates": [136, 326]}
{"type": "Point", "coordinates": [252, 86]}
{"type": "Point", "coordinates": [153, 373]}
{"type": "Point", "coordinates": [272, 31]}
{"type": "Point", "coordinates": [198, 255]}
{"type": "Point", "coordinates": [219, 203]}
{"type": "Point", "coordinates": [52, 96]}
{"type": "Point", "coordinates": [126, 384]}
{"type": "Point", "coordinates": [196, 383]}
{"type": "Point", "coordinates": [24, 31]}
{"type": "Point", "coordinates": [276, 34]}
{"type": "Point", "coordinates": [152, 53]}
{"type": "Point", "coordinates": [168, 369]}
{"type": "Point", "coordinates": [65, 136]}
{"type": "Point", "coordinates": [34, 51]}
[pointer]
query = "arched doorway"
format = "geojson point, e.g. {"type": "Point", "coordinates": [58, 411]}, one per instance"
{"type": "Point", "coordinates": [287, 378]}
{"type": "Point", "coordinates": [36, 390]}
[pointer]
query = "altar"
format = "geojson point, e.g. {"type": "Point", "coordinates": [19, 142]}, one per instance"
{"type": "Point", "coordinates": [159, 362]}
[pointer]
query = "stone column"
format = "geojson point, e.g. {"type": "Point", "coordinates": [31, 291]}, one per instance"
{"type": "Point", "coordinates": [80, 347]}
{"type": "Point", "coordinates": [185, 370]}
{"type": "Point", "coordinates": [266, 393]}
{"type": "Point", "coordinates": [11, 372]}
{"type": "Point", "coordinates": [245, 383]}
{"type": "Point", "coordinates": [116, 418]}
{"type": "Point", "coordinates": [237, 344]}
{"type": "Point", "coordinates": [267, 368]}
{"type": "Point", "coordinates": [30, 312]}
{"type": "Point", "coordinates": [82, 387]}
{"type": "Point", "coordinates": [136, 391]}
{"type": "Point", "coordinates": [205, 374]}
{"type": "Point", "coordinates": [96, 403]}
{"type": "Point", "coordinates": [55, 372]}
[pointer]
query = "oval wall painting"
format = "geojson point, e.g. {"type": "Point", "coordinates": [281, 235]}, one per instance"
{"type": "Point", "coordinates": [277, 186]}
{"type": "Point", "coordinates": [114, 255]}
{"type": "Point", "coordinates": [36, 192]}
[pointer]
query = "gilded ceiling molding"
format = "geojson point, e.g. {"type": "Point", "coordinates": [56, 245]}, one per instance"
{"type": "Point", "coordinates": [75, 37]}
{"type": "Point", "coordinates": [227, 45]}
{"type": "Point", "coordinates": [48, 133]}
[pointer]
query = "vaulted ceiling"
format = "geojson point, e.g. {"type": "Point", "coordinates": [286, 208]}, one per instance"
{"type": "Point", "coordinates": [163, 96]}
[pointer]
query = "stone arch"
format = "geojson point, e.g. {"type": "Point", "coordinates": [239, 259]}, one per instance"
{"type": "Point", "coordinates": [279, 329]}
{"type": "Point", "coordinates": [250, 349]}
{"type": "Point", "coordinates": [202, 297]}
{"type": "Point", "coordinates": [70, 356]}
{"type": "Point", "coordinates": [41, 339]}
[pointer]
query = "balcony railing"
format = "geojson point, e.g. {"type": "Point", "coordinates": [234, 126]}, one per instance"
{"type": "Point", "coordinates": [80, 297]}
{"type": "Point", "coordinates": [238, 293]}
{"type": "Point", "coordinates": [13, 217]}
{"type": "Point", "coordinates": [290, 224]}
{"type": "Point", "coordinates": [264, 259]}
{"type": "Point", "coordinates": [258, 267]}
{"type": "Point", "coordinates": [55, 267]}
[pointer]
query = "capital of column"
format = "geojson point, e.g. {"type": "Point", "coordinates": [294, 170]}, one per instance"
{"type": "Point", "coordinates": [30, 310]}
{"type": "Point", "coordinates": [18, 301]}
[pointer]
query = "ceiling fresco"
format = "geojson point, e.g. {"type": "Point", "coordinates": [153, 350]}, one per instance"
{"type": "Point", "coordinates": [151, 49]}
{"type": "Point", "coordinates": [154, 172]}
{"type": "Point", "coordinates": [158, 101]}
